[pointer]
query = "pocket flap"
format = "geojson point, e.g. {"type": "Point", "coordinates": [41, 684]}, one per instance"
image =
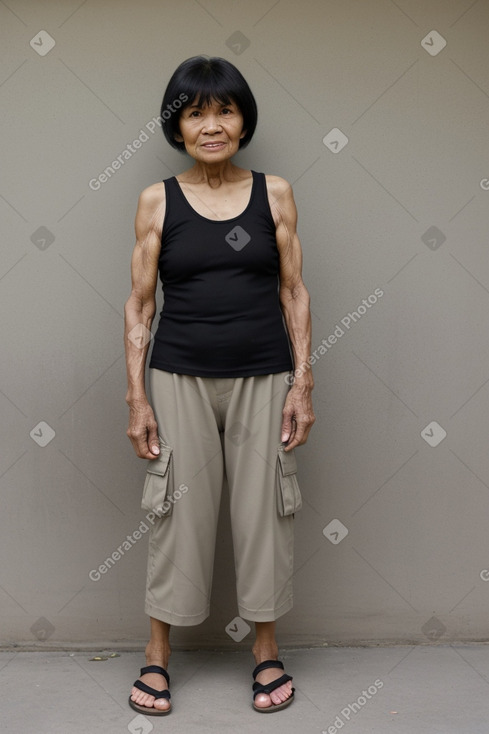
{"type": "Point", "coordinates": [287, 462]}
{"type": "Point", "coordinates": [161, 464]}
{"type": "Point", "coordinates": [289, 500]}
{"type": "Point", "coordinates": [157, 490]}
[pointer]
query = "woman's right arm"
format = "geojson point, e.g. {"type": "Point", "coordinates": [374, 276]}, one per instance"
{"type": "Point", "coordinates": [139, 312]}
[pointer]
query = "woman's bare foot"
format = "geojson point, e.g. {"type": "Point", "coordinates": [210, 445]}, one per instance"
{"type": "Point", "coordinates": [265, 648]}
{"type": "Point", "coordinates": [157, 653]}
{"type": "Point", "coordinates": [156, 681]}
{"type": "Point", "coordinates": [279, 695]}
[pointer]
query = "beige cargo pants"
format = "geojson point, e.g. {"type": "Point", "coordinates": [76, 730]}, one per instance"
{"type": "Point", "coordinates": [207, 426]}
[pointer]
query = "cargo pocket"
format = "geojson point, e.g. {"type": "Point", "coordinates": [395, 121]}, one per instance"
{"type": "Point", "coordinates": [289, 498]}
{"type": "Point", "coordinates": [158, 483]}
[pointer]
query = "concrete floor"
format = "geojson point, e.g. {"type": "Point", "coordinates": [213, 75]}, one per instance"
{"type": "Point", "coordinates": [436, 688]}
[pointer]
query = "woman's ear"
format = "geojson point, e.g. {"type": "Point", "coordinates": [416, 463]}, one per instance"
{"type": "Point", "coordinates": [178, 137]}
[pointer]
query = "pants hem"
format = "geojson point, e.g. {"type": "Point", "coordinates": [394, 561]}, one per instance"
{"type": "Point", "coordinates": [176, 619]}
{"type": "Point", "coordinates": [267, 615]}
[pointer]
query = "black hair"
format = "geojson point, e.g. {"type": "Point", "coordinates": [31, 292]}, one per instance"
{"type": "Point", "coordinates": [206, 79]}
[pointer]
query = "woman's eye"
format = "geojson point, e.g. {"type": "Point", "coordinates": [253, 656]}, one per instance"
{"type": "Point", "coordinates": [194, 113]}
{"type": "Point", "coordinates": [226, 110]}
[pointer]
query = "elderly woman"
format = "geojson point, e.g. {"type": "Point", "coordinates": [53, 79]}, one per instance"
{"type": "Point", "coordinates": [224, 397]}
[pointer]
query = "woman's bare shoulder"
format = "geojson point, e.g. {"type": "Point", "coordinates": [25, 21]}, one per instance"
{"type": "Point", "coordinates": [276, 182]}
{"type": "Point", "coordinates": [277, 186]}
{"type": "Point", "coordinates": [280, 198]}
{"type": "Point", "coordinates": [151, 208]}
{"type": "Point", "coordinates": [153, 195]}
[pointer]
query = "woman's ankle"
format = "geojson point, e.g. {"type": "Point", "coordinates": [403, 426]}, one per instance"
{"type": "Point", "coordinates": [263, 652]}
{"type": "Point", "coordinates": [157, 653]}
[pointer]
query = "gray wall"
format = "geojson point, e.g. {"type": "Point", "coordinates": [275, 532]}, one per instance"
{"type": "Point", "coordinates": [402, 207]}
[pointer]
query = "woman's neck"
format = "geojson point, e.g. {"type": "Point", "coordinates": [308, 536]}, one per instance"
{"type": "Point", "coordinates": [214, 175]}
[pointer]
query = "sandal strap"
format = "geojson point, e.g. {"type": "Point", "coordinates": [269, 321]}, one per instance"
{"type": "Point", "coordinates": [269, 687]}
{"type": "Point", "coordinates": [152, 691]}
{"type": "Point", "coordinates": [156, 669]}
{"type": "Point", "coordinates": [267, 664]}
{"type": "Point", "coordinates": [148, 689]}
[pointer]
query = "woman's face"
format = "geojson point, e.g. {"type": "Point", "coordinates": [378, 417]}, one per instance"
{"type": "Point", "coordinates": [211, 134]}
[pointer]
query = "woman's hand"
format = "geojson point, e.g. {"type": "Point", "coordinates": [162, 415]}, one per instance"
{"type": "Point", "coordinates": [298, 416]}
{"type": "Point", "coordinates": [143, 430]}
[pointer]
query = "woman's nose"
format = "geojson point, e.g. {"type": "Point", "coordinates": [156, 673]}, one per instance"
{"type": "Point", "coordinates": [211, 124]}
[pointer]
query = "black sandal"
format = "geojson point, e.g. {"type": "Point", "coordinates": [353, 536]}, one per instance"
{"type": "Point", "coordinates": [269, 687]}
{"type": "Point", "coordinates": [146, 710]}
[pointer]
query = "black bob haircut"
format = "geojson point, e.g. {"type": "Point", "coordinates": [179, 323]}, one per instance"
{"type": "Point", "coordinates": [206, 79]}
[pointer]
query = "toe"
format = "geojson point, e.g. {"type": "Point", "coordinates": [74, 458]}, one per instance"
{"type": "Point", "coordinates": [142, 698]}
{"type": "Point", "coordinates": [162, 704]}
{"type": "Point", "coordinates": [263, 701]}
{"type": "Point", "coordinates": [278, 695]}
{"type": "Point", "coordinates": [281, 694]}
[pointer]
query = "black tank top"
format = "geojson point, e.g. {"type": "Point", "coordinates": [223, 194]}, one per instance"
{"type": "Point", "coordinates": [221, 315]}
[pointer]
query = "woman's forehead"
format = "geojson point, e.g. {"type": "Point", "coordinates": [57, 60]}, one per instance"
{"type": "Point", "coordinates": [209, 101]}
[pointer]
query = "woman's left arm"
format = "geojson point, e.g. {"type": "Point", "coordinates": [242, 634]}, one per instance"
{"type": "Point", "coordinates": [298, 413]}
